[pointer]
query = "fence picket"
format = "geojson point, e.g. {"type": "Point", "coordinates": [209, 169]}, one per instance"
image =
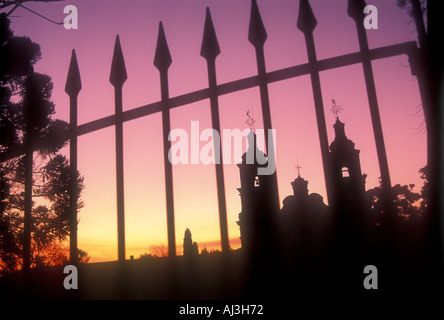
{"type": "Point", "coordinates": [162, 61]}
{"type": "Point", "coordinates": [355, 11]}
{"type": "Point", "coordinates": [210, 50]}
{"type": "Point", "coordinates": [72, 88]}
{"type": "Point", "coordinates": [117, 78]}
{"type": "Point", "coordinates": [257, 35]}
{"type": "Point", "coordinates": [307, 23]}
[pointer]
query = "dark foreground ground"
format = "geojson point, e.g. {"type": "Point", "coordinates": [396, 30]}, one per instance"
{"type": "Point", "coordinates": [204, 277]}
{"type": "Point", "coordinates": [227, 277]}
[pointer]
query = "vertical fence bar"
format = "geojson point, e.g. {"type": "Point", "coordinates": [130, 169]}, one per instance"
{"type": "Point", "coordinates": [210, 50]}
{"type": "Point", "coordinates": [257, 35]}
{"type": "Point", "coordinates": [162, 61]}
{"type": "Point", "coordinates": [117, 78]}
{"type": "Point", "coordinates": [72, 88]}
{"type": "Point", "coordinates": [356, 12]}
{"type": "Point", "coordinates": [307, 23]}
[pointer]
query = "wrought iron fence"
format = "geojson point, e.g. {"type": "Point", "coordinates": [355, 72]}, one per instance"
{"type": "Point", "coordinates": [210, 49]}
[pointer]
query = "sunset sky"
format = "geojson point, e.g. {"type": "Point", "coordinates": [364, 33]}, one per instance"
{"type": "Point", "coordinates": [292, 108]}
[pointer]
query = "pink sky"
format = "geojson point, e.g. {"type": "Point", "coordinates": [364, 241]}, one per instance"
{"type": "Point", "coordinates": [291, 101]}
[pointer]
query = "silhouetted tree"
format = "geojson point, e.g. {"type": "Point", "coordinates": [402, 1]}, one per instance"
{"type": "Point", "coordinates": [50, 221]}
{"type": "Point", "coordinates": [25, 106]}
{"type": "Point", "coordinates": [58, 254]}
{"type": "Point", "coordinates": [204, 251]}
{"type": "Point", "coordinates": [406, 201]}
{"type": "Point", "coordinates": [158, 250]}
{"type": "Point", "coordinates": [425, 190]}
{"type": "Point", "coordinates": [190, 248]}
{"type": "Point", "coordinates": [27, 126]}
{"type": "Point", "coordinates": [155, 251]}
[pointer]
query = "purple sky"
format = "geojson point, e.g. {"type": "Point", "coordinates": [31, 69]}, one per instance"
{"type": "Point", "coordinates": [291, 101]}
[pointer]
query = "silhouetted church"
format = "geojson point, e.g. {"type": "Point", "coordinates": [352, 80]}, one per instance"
{"type": "Point", "coordinates": [258, 220]}
{"type": "Point", "coordinates": [305, 224]}
{"type": "Point", "coordinates": [349, 205]}
{"type": "Point", "coordinates": [305, 219]}
{"type": "Point", "coordinates": [348, 180]}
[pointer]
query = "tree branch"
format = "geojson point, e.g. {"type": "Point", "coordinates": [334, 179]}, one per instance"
{"type": "Point", "coordinates": [7, 3]}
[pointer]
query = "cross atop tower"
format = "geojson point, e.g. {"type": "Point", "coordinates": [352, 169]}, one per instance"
{"type": "Point", "coordinates": [335, 108]}
{"type": "Point", "coordinates": [298, 168]}
{"type": "Point", "coordinates": [250, 120]}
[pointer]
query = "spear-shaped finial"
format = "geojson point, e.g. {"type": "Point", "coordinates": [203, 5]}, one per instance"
{"type": "Point", "coordinates": [356, 9]}
{"type": "Point", "coordinates": [257, 34]}
{"type": "Point", "coordinates": [73, 83]}
{"type": "Point", "coordinates": [306, 19]}
{"type": "Point", "coordinates": [118, 74]}
{"type": "Point", "coordinates": [162, 57]}
{"type": "Point", "coordinates": [210, 46]}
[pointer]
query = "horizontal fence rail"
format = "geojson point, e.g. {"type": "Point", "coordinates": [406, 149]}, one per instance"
{"type": "Point", "coordinates": [407, 48]}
